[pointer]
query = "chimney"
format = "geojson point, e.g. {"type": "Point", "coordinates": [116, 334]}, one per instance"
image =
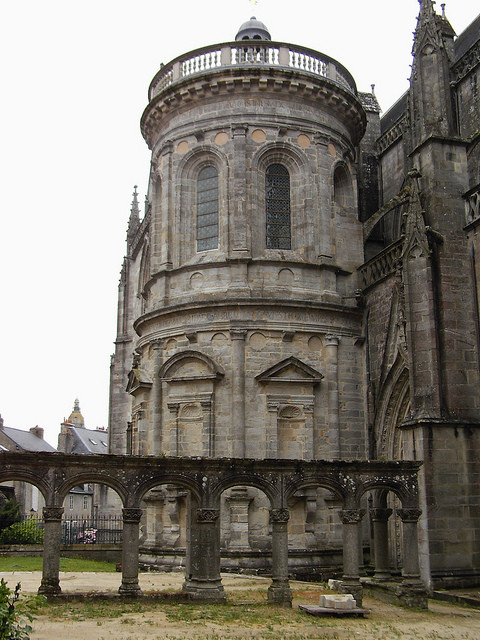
{"type": "Point", "coordinates": [1, 423]}
{"type": "Point", "coordinates": [37, 431]}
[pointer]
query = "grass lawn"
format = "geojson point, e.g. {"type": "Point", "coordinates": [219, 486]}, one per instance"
{"type": "Point", "coordinates": [34, 563]}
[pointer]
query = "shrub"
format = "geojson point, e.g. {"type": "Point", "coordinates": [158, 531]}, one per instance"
{"type": "Point", "coordinates": [12, 627]}
{"type": "Point", "coordinates": [27, 532]}
{"type": "Point", "coordinates": [9, 514]}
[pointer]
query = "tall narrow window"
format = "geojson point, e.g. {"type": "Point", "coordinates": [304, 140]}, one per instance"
{"type": "Point", "coordinates": [207, 209]}
{"type": "Point", "coordinates": [277, 199]}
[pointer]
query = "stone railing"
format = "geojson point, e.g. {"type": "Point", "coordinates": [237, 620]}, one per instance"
{"type": "Point", "coordinates": [262, 53]}
{"type": "Point", "coordinates": [381, 266]}
{"type": "Point", "coordinates": [472, 205]}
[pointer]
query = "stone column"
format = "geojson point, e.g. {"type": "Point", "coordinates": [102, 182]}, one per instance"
{"type": "Point", "coordinates": [412, 592]}
{"type": "Point", "coordinates": [172, 426]}
{"type": "Point", "coordinates": [131, 520]}
{"type": "Point", "coordinates": [279, 591]}
{"type": "Point", "coordinates": [351, 519]}
{"type": "Point", "coordinates": [202, 579]}
{"type": "Point", "coordinates": [331, 352]}
{"type": "Point", "coordinates": [379, 517]}
{"type": "Point", "coordinates": [309, 431]}
{"type": "Point", "coordinates": [208, 443]}
{"type": "Point", "coordinates": [271, 429]}
{"type": "Point", "coordinates": [411, 567]}
{"type": "Point", "coordinates": [239, 242]}
{"type": "Point", "coordinates": [50, 584]}
{"type": "Point", "coordinates": [239, 501]}
{"type": "Point", "coordinates": [154, 435]}
{"type": "Point", "coordinates": [238, 391]}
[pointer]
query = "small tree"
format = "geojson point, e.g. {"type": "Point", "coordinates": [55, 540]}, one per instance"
{"type": "Point", "coordinates": [12, 627]}
{"type": "Point", "coordinates": [9, 514]}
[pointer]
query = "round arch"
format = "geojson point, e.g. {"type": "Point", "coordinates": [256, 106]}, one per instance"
{"type": "Point", "coordinates": [29, 476]}
{"type": "Point", "coordinates": [91, 477]}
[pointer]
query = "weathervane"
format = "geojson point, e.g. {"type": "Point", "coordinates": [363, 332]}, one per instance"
{"type": "Point", "coordinates": [253, 2]}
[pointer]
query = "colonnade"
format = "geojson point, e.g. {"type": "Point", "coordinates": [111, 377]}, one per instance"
{"type": "Point", "coordinates": [205, 479]}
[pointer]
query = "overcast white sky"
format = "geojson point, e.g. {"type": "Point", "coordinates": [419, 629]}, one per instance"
{"type": "Point", "coordinates": [74, 79]}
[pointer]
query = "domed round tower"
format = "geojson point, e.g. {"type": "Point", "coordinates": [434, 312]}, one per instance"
{"type": "Point", "coordinates": [241, 279]}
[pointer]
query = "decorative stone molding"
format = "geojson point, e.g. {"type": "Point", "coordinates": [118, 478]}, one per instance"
{"type": "Point", "coordinates": [131, 515]}
{"type": "Point", "coordinates": [208, 515]}
{"type": "Point", "coordinates": [409, 515]}
{"type": "Point", "coordinates": [52, 514]}
{"type": "Point", "coordinates": [352, 516]}
{"type": "Point", "coordinates": [279, 515]}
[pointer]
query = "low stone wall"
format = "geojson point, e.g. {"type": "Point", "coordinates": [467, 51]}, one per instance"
{"type": "Point", "coordinates": [99, 552]}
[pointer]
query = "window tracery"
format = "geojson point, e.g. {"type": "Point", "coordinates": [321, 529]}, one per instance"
{"type": "Point", "coordinates": [277, 204]}
{"type": "Point", "coordinates": [207, 208]}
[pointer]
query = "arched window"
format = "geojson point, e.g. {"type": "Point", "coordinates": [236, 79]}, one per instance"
{"type": "Point", "coordinates": [277, 202]}
{"type": "Point", "coordinates": [207, 209]}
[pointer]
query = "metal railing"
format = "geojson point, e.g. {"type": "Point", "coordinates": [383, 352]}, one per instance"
{"type": "Point", "coordinates": [87, 530]}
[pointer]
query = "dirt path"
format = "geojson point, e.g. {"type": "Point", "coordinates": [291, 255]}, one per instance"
{"type": "Point", "coordinates": [250, 617]}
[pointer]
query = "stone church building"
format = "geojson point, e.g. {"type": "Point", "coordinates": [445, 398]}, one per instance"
{"type": "Point", "coordinates": [304, 284]}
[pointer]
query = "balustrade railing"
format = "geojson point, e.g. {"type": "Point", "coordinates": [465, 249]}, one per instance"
{"type": "Point", "coordinates": [260, 53]}
{"type": "Point", "coordinates": [472, 205]}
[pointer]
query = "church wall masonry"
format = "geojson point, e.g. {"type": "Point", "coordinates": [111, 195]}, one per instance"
{"type": "Point", "coordinates": [304, 285]}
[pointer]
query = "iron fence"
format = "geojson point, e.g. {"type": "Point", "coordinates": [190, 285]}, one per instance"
{"type": "Point", "coordinates": [86, 529]}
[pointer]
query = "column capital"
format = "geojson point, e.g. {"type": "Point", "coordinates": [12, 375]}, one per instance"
{"type": "Point", "coordinates": [237, 333]}
{"type": "Point", "coordinates": [239, 130]}
{"type": "Point", "coordinates": [380, 514]}
{"type": "Point", "coordinates": [157, 344]}
{"type": "Point", "coordinates": [52, 514]}
{"type": "Point", "coordinates": [332, 340]}
{"type": "Point", "coordinates": [409, 515]}
{"type": "Point", "coordinates": [208, 515]}
{"type": "Point", "coordinates": [131, 515]}
{"type": "Point", "coordinates": [352, 516]}
{"type": "Point", "coordinates": [173, 407]}
{"type": "Point", "coordinates": [279, 515]}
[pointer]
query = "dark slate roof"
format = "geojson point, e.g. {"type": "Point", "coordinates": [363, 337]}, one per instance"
{"type": "Point", "coordinates": [26, 440]}
{"type": "Point", "coordinates": [467, 38]}
{"type": "Point", "coordinates": [395, 112]}
{"type": "Point", "coordinates": [88, 440]}
{"type": "Point", "coordinates": [369, 102]}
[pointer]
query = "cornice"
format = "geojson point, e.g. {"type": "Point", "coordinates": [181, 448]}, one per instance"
{"type": "Point", "coordinates": [228, 81]}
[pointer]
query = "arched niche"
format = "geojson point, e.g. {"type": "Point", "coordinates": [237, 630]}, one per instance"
{"type": "Point", "coordinates": [190, 379]}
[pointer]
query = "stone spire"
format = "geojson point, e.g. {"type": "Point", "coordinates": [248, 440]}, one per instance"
{"type": "Point", "coordinates": [431, 110]}
{"type": "Point", "coordinates": [134, 220]}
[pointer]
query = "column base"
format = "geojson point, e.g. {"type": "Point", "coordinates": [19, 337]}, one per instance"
{"type": "Point", "coordinates": [130, 588]}
{"type": "Point", "coordinates": [280, 593]}
{"type": "Point", "coordinates": [412, 593]}
{"type": "Point", "coordinates": [382, 576]}
{"type": "Point", "coordinates": [204, 590]}
{"type": "Point", "coordinates": [354, 587]}
{"type": "Point", "coordinates": [49, 587]}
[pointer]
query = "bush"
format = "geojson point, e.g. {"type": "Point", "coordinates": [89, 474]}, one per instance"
{"type": "Point", "coordinates": [12, 627]}
{"type": "Point", "coordinates": [27, 532]}
{"type": "Point", "coordinates": [9, 514]}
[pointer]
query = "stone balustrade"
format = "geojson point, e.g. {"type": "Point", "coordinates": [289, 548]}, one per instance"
{"type": "Point", "coordinates": [261, 53]}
